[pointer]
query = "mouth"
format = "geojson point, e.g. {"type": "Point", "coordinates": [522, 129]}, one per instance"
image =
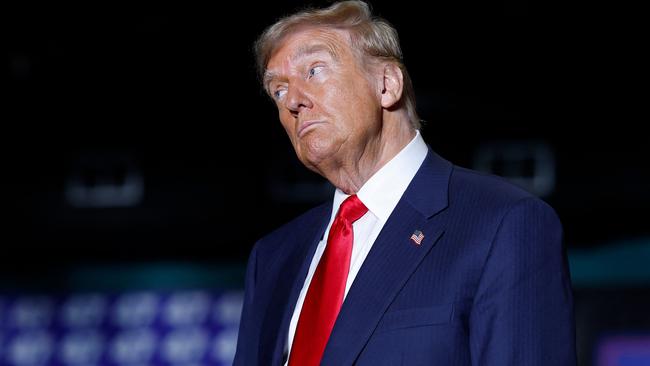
{"type": "Point", "coordinates": [306, 126]}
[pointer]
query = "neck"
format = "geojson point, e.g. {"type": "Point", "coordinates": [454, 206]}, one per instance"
{"type": "Point", "coordinates": [350, 173]}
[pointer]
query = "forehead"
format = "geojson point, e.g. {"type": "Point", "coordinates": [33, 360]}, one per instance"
{"type": "Point", "coordinates": [309, 41]}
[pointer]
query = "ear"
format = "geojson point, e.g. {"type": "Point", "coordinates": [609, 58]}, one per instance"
{"type": "Point", "coordinates": [393, 85]}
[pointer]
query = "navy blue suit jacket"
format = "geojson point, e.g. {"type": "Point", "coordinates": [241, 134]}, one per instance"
{"type": "Point", "coordinates": [488, 285]}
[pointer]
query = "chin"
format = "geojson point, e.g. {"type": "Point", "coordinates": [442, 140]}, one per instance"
{"type": "Point", "coordinates": [315, 159]}
{"type": "Point", "coordinates": [314, 151]}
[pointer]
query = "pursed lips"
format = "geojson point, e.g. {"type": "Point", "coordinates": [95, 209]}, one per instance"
{"type": "Point", "coordinates": [302, 128]}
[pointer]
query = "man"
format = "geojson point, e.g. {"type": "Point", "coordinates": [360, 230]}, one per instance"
{"type": "Point", "coordinates": [416, 261]}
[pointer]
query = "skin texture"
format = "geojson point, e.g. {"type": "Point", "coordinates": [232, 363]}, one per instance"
{"type": "Point", "coordinates": [341, 111]}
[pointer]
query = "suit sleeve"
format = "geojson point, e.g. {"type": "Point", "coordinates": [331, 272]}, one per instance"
{"type": "Point", "coordinates": [523, 309]}
{"type": "Point", "coordinates": [247, 324]}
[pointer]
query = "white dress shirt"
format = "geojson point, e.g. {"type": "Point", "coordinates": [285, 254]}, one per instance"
{"type": "Point", "coordinates": [380, 194]}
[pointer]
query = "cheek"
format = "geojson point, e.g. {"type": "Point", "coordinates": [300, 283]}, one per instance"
{"type": "Point", "coordinates": [357, 106]}
{"type": "Point", "coordinates": [339, 100]}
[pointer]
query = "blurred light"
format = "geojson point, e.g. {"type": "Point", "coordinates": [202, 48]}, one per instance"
{"type": "Point", "coordinates": [2, 317]}
{"type": "Point", "coordinates": [107, 180]}
{"type": "Point", "coordinates": [84, 310]}
{"type": "Point", "coordinates": [227, 309]}
{"type": "Point", "coordinates": [104, 194]}
{"type": "Point", "coordinates": [187, 327]}
{"type": "Point", "coordinates": [224, 346]}
{"type": "Point", "coordinates": [187, 308]}
{"type": "Point", "coordinates": [30, 348]}
{"type": "Point", "coordinates": [528, 164]}
{"type": "Point", "coordinates": [624, 350]}
{"type": "Point", "coordinates": [185, 345]}
{"type": "Point", "coordinates": [133, 346]}
{"type": "Point", "coordinates": [622, 263]}
{"type": "Point", "coordinates": [31, 312]}
{"type": "Point", "coordinates": [81, 347]}
{"type": "Point", "coordinates": [135, 309]}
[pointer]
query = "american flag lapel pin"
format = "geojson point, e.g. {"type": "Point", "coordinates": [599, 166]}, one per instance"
{"type": "Point", "coordinates": [417, 237]}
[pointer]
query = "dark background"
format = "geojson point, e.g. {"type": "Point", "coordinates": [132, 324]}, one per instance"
{"type": "Point", "coordinates": [173, 91]}
{"type": "Point", "coordinates": [95, 93]}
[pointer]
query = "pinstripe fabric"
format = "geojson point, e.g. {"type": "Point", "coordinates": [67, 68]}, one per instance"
{"type": "Point", "coordinates": [489, 284]}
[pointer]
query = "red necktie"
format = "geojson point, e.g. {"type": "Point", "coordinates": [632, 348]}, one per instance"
{"type": "Point", "coordinates": [325, 294]}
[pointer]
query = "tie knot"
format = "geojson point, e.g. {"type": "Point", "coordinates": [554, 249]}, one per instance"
{"type": "Point", "coordinates": [352, 209]}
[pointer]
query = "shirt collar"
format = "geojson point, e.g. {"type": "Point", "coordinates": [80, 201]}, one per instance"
{"type": "Point", "coordinates": [384, 189]}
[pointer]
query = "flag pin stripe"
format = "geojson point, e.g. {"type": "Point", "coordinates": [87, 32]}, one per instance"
{"type": "Point", "coordinates": [417, 237]}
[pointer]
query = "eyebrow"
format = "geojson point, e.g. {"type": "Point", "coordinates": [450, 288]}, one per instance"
{"type": "Point", "coordinates": [310, 49]}
{"type": "Point", "coordinates": [303, 51]}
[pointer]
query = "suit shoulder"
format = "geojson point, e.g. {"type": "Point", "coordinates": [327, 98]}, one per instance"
{"type": "Point", "coordinates": [481, 205]}
{"type": "Point", "coordinates": [477, 184]}
{"type": "Point", "coordinates": [489, 193]}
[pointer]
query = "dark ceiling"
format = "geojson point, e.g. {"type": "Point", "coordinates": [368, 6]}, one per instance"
{"type": "Point", "coordinates": [172, 91]}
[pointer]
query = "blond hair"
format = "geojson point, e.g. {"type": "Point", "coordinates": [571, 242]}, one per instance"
{"type": "Point", "coordinates": [374, 36]}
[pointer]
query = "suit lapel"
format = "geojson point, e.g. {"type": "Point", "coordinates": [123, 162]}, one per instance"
{"type": "Point", "coordinates": [391, 261]}
{"type": "Point", "coordinates": [292, 277]}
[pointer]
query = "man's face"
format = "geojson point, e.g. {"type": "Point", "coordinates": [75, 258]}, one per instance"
{"type": "Point", "coordinates": [329, 106]}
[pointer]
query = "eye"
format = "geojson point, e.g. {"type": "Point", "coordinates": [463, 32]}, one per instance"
{"type": "Point", "coordinates": [314, 70]}
{"type": "Point", "coordinates": [279, 93]}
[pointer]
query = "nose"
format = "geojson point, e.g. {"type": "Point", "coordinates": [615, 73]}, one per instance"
{"type": "Point", "coordinates": [297, 100]}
